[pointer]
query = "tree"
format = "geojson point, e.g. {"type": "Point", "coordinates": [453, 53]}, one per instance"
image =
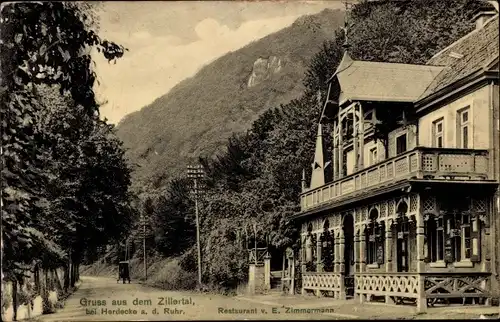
{"type": "Point", "coordinates": [173, 214]}
{"type": "Point", "coordinates": [52, 153]}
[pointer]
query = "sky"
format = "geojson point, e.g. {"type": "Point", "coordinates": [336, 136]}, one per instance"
{"type": "Point", "coordinates": [169, 41]}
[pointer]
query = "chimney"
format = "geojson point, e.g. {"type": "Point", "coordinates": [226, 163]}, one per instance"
{"type": "Point", "coordinates": [485, 13]}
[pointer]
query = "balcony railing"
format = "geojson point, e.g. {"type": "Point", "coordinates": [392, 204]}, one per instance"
{"type": "Point", "coordinates": [421, 162]}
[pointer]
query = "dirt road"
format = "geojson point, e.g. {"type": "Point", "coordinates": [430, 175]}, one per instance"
{"type": "Point", "coordinates": [101, 298]}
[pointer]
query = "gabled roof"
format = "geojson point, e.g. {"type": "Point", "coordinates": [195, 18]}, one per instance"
{"type": "Point", "coordinates": [469, 54]}
{"type": "Point", "coordinates": [376, 81]}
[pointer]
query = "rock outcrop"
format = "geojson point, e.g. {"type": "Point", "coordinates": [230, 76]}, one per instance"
{"type": "Point", "coordinates": [263, 68]}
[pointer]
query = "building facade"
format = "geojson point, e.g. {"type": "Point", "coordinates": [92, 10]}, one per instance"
{"type": "Point", "coordinates": [405, 207]}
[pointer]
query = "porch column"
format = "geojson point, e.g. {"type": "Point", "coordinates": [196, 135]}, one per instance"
{"type": "Point", "coordinates": [362, 260]}
{"type": "Point", "coordinates": [319, 267]}
{"type": "Point", "coordinates": [421, 300]}
{"type": "Point", "coordinates": [336, 262]}
{"type": "Point", "coordinates": [388, 253]}
{"type": "Point", "coordinates": [342, 294]}
{"type": "Point", "coordinates": [486, 249]}
{"type": "Point", "coordinates": [303, 267]}
{"type": "Point", "coordinates": [319, 262]}
{"type": "Point", "coordinates": [361, 134]}
{"type": "Point", "coordinates": [357, 257]}
{"type": "Point", "coordinates": [388, 245]}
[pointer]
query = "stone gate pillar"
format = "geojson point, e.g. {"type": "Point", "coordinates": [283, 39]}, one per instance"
{"type": "Point", "coordinates": [267, 272]}
{"type": "Point", "coordinates": [255, 278]}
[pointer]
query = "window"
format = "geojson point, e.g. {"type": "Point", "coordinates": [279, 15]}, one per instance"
{"type": "Point", "coordinates": [453, 236]}
{"type": "Point", "coordinates": [327, 248]}
{"type": "Point", "coordinates": [464, 131]}
{"type": "Point", "coordinates": [401, 144]}
{"type": "Point", "coordinates": [375, 239]}
{"type": "Point", "coordinates": [402, 226]}
{"type": "Point", "coordinates": [373, 155]}
{"type": "Point", "coordinates": [437, 133]}
{"type": "Point", "coordinates": [435, 238]}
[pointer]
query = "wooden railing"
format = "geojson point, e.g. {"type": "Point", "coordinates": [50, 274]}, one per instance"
{"type": "Point", "coordinates": [390, 284]}
{"type": "Point", "coordinates": [457, 285]}
{"type": "Point", "coordinates": [421, 162]}
{"type": "Point", "coordinates": [325, 281]}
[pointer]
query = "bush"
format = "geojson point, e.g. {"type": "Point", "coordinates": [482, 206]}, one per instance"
{"type": "Point", "coordinates": [227, 266]}
{"type": "Point", "coordinates": [188, 260]}
{"type": "Point", "coordinates": [171, 276]}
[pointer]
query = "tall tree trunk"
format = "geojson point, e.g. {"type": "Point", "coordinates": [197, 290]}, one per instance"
{"type": "Point", "coordinates": [37, 280]}
{"type": "Point", "coordinates": [14, 298]}
{"type": "Point", "coordinates": [67, 275]}
{"type": "Point", "coordinates": [78, 271]}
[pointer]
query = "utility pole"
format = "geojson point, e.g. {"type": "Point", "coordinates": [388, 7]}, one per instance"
{"type": "Point", "coordinates": [196, 173]}
{"type": "Point", "coordinates": [144, 247]}
{"type": "Point", "coordinates": [255, 241]}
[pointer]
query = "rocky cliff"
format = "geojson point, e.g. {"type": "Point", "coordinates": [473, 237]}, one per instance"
{"type": "Point", "coordinates": [263, 69]}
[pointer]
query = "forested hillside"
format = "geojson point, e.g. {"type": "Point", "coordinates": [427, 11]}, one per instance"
{"type": "Point", "coordinates": [256, 182]}
{"type": "Point", "coordinates": [198, 115]}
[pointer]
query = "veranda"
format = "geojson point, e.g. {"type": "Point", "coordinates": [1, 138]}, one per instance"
{"type": "Point", "coordinates": [413, 248]}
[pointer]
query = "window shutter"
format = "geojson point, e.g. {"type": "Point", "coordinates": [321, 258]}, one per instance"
{"type": "Point", "coordinates": [475, 239]}
{"type": "Point", "coordinates": [448, 253]}
{"type": "Point", "coordinates": [427, 258]}
{"type": "Point", "coordinates": [448, 250]}
{"type": "Point", "coordinates": [380, 254]}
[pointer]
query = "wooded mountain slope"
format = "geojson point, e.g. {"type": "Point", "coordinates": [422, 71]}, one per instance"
{"type": "Point", "coordinates": [198, 115]}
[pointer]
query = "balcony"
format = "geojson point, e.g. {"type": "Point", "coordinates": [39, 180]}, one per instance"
{"type": "Point", "coordinates": [419, 163]}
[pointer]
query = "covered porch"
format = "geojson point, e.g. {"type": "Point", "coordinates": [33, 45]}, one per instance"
{"type": "Point", "coordinates": [418, 248]}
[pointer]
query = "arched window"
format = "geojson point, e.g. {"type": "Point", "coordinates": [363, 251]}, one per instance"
{"type": "Point", "coordinates": [375, 239]}
{"type": "Point", "coordinates": [327, 247]}
{"type": "Point", "coordinates": [403, 238]}
{"type": "Point", "coordinates": [310, 246]}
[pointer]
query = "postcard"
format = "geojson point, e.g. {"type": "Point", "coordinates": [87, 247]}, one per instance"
{"type": "Point", "coordinates": [250, 160]}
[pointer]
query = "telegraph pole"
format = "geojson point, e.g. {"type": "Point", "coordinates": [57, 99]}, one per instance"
{"type": "Point", "coordinates": [144, 248]}
{"type": "Point", "coordinates": [196, 173]}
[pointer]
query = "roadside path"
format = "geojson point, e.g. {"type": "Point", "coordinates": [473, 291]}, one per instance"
{"type": "Point", "coordinates": [103, 299]}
